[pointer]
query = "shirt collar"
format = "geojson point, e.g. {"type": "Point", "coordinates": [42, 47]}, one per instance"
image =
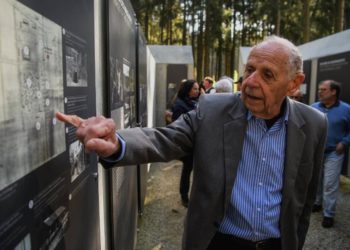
{"type": "Point", "coordinates": [336, 104]}
{"type": "Point", "coordinates": [284, 117]}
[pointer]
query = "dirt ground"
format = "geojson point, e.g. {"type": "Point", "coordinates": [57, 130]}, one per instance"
{"type": "Point", "coordinates": [161, 225]}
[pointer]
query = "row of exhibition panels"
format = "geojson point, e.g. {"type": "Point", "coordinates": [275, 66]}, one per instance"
{"type": "Point", "coordinates": [88, 58]}
{"type": "Point", "coordinates": [325, 58]}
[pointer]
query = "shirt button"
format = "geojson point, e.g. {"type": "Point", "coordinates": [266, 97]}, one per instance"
{"type": "Point", "coordinates": [264, 159]}
{"type": "Point", "coordinates": [260, 184]}
{"type": "Point", "coordinates": [259, 209]}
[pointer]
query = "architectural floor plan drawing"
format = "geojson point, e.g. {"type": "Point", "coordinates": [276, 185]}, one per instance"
{"type": "Point", "coordinates": [31, 90]}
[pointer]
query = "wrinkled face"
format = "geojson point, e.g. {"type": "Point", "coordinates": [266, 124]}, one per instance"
{"type": "Point", "coordinates": [266, 80]}
{"type": "Point", "coordinates": [325, 93]}
{"type": "Point", "coordinates": [194, 91]}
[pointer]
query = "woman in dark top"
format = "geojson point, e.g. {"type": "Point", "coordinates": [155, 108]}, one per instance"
{"type": "Point", "coordinates": [186, 100]}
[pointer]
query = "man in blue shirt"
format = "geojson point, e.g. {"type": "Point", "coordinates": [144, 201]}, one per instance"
{"type": "Point", "coordinates": [257, 156]}
{"type": "Point", "coordinates": [338, 114]}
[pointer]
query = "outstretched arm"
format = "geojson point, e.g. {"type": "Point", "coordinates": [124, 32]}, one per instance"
{"type": "Point", "coordinates": [96, 133]}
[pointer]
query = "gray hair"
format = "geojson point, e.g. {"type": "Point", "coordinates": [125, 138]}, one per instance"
{"type": "Point", "coordinates": [295, 64]}
{"type": "Point", "coordinates": [223, 85]}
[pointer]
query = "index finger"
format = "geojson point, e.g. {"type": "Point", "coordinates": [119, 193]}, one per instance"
{"type": "Point", "coordinates": [74, 120]}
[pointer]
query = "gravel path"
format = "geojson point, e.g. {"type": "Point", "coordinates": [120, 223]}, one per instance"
{"type": "Point", "coordinates": [161, 224]}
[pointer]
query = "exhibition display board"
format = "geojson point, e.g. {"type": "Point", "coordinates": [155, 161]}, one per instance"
{"type": "Point", "coordinates": [48, 187]}
{"type": "Point", "coordinates": [305, 87]}
{"type": "Point", "coordinates": [336, 67]}
{"type": "Point", "coordinates": [142, 77]}
{"type": "Point", "coordinates": [141, 111]}
{"type": "Point", "coordinates": [121, 81]}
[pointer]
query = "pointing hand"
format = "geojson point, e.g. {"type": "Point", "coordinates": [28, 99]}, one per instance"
{"type": "Point", "coordinates": [96, 133]}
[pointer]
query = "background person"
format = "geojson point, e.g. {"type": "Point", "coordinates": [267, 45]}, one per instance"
{"type": "Point", "coordinates": [208, 85]}
{"type": "Point", "coordinates": [256, 157]}
{"type": "Point", "coordinates": [223, 86]}
{"type": "Point", "coordinates": [239, 85]}
{"type": "Point", "coordinates": [338, 114]}
{"type": "Point", "coordinates": [297, 95]}
{"type": "Point", "coordinates": [187, 98]}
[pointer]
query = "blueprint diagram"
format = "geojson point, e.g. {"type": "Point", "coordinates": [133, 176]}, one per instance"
{"type": "Point", "coordinates": [31, 90]}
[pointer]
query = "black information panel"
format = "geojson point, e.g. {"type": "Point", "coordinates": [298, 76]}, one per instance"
{"type": "Point", "coordinates": [121, 66]}
{"type": "Point", "coordinates": [142, 49]}
{"type": "Point", "coordinates": [142, 104]}
{"type": "Point", "coordinates": [336, 67]}
{"type": "Point", "coordinates": [305, 87]}
{"type": "Point", "coordinates": [48, 193]}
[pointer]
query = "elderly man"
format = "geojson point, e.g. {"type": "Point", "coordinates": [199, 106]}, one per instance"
{"type": "Point", "coordinates": [223, 86]}
{"type": "Point", "coordinates": [338, 137]}
{"type": "Point", "coordinates": [256, 157]}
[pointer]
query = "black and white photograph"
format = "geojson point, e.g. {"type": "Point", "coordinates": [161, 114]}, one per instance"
{"type": "Point", "coordinates": [47, 64]}
{"type": "Point", "coordinates": [31, 89]}
{"type": "Point", "coordinates": [78, 159]}
{"type": "Point", "coordinates": [129, 93]}
{"type": "Point", "coordinates": [121, 60]}
{"type": "Point", "coordinates": [117, 91]}
{"type": "Point", "coordinates": [76, 61]}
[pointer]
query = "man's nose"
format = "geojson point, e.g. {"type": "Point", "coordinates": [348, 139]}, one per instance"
{"type": "Point", "coordinates": [251, 80]}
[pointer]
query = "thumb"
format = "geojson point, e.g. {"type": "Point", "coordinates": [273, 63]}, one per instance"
{"type": "Point", "coordinates": [102, 147]}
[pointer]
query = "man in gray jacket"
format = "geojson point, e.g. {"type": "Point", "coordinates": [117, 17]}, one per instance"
{"type": "Point", "coordinates": [257, 157]}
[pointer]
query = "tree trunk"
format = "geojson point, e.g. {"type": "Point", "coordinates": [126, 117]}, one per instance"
{"type": "Point", "coordinates": [243, 38]}
{"type": "Point", "coordinates": [206, 39]}
{"type": "Point", "coordinates": [278, 18]}
{"type": "Point", "coordinates": [219, 59]}
{"type": "Point", "coordinates": [306, 21]}
{"type": "Point", "coordinates": [339, 16]}
{"type": "Point", "coordinates": [184, 23]}
{"type": "Point", "coordinates": [171, 31]}
{"type": "Point", "coordinates": [146, 23]}
{"type": "Point", "coordinates": [162, 22]}
{"type": "Point", "coordinates": [192, 24]}
{"type": "Point", "coordinates": [233, 44]}
{"type": "Point", "coordinates": [200, 48]}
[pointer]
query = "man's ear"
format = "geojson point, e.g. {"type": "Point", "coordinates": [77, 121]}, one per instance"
{"type": "Point", "coordinates": [334, 92]}
{"type": "Point", "coordinates": [295, 83]}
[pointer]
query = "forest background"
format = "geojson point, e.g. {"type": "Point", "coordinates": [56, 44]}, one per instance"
{"type": "Point", "coordinates": [217, 28]}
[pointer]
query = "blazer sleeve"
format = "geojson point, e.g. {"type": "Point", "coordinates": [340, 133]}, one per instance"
{"type": "Point", "coordinates": [143, 145]}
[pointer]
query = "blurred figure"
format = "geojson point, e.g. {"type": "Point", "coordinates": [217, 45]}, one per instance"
{"type": "Point", "coordinates": [208, 85]}
{"type": "Point", "coordinates": [201, 88]}
{"type": "Point", "coordinates": [186, 101]}
{"type": "Point", "coordinates": [186, 98]}
{"type": "Point", "coordinates": [223, 86]}
{"type": "Point", "coordinates": [297, 95]}
{"type": "Point", "coordinates": [338, 137]}
{"type": "Point", "coordinates": [227, 77]}
{"type": "Point", "coordinates": [239, 85]}
{"type": "Point", "coordinates": [168, 113]}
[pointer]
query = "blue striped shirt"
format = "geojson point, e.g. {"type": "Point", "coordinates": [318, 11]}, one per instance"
{"type": "Point", "coordinates": [256, 197]}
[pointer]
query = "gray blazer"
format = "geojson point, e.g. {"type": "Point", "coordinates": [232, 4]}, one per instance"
{"type": "Point", "coordinates": [215, 133]}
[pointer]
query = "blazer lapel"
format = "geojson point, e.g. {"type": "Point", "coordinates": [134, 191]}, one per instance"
{"type": "Point", "coordinates": [294, 150]}
{"type": "Point", "coordinates": [234, 132]}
